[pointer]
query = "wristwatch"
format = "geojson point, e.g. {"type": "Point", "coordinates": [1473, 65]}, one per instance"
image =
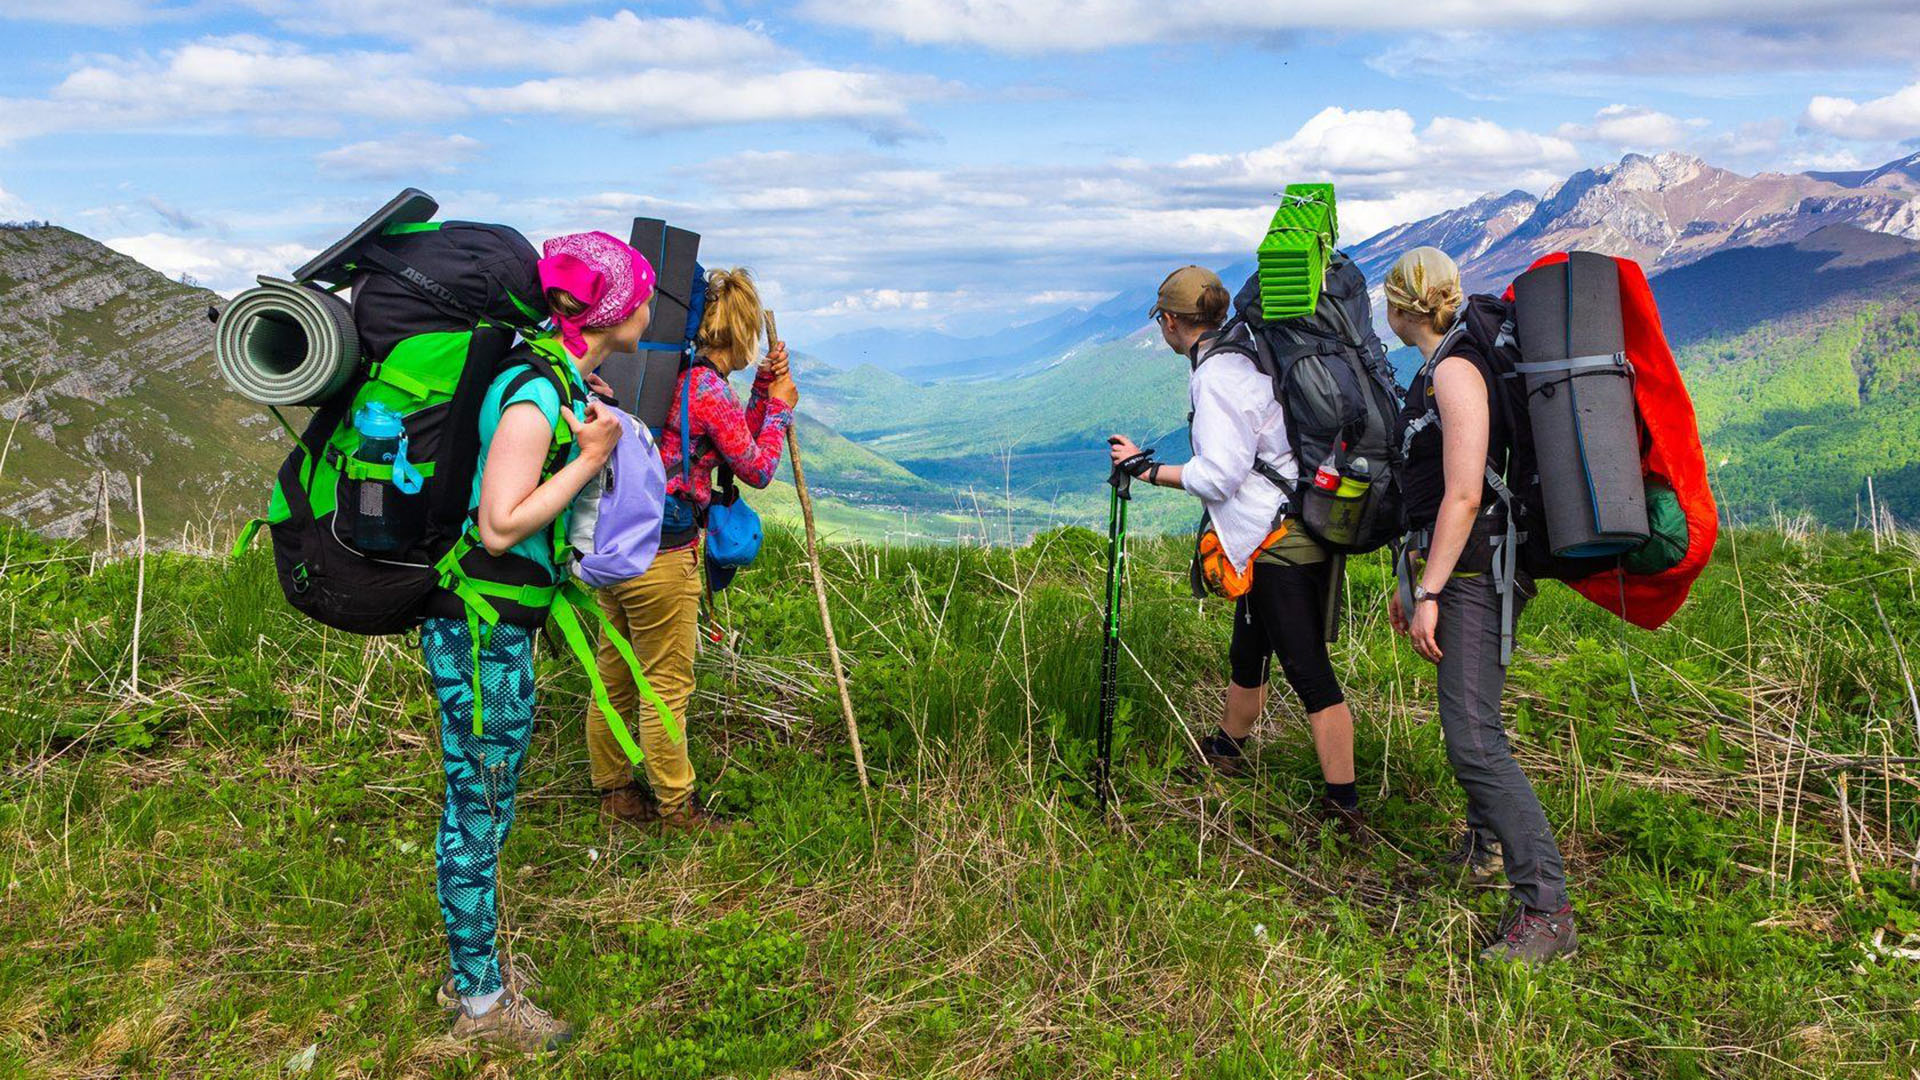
{"type": "Point", "coordinates": [1420, 593]}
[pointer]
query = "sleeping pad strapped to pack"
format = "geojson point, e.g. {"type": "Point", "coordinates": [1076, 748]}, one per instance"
{"type": "Point", "coordinates": [370, 514]}
{"type": "Point", "coordinates": [1605, 483]}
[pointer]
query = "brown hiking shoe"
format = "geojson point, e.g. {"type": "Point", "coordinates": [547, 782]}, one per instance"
{"type": "Point", "coordinates": [1533, 938]}
{"type": "Point", "coordinates": [514, 1023]}
{"type": "Point", "coordinates": [691, 817]}
{"type": "Point", "coordinates": [1477, 863]}
{"type": "Point", "coordinates": [629, 805]}
{"type": "Point", "coordinates": [519, 977]}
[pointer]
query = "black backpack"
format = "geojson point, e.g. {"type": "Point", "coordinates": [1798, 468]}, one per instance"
{"type": "Point", "coordinates": [1330, 374]}
{"type": "Point", "coordinates": [436, 306]}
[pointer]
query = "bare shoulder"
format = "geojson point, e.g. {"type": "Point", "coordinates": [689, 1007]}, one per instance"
{"type": "Point", "coordinates": [1458, 373]}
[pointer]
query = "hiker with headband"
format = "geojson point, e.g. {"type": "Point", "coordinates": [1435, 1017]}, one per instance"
{"type": "Point", "coordinates": [1277, 575]}
{"type": "Point", "coordinates": [659, 612]}
{"type": "Point", "coordinates": [540, 442]}
{"type": "Point", "coordinates": [1455, 432]}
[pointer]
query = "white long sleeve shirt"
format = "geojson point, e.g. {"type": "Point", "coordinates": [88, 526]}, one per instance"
{"type": "Point", "coordinates": [1236, 421]}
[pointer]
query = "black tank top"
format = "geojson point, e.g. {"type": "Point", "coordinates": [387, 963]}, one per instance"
{"type": "Point", "coordinates": [1422, 472]}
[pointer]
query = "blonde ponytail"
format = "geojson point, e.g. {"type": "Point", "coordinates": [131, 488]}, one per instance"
{"type": "Point", "coordinates": [730, 324]}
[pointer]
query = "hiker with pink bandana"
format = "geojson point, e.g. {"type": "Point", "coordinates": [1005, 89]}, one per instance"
{"type": "Point", "coordinates": [598, 290]}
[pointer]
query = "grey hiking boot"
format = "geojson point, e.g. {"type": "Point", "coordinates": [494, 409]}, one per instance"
{"type": "Point", "coordinates": [518, 977]}
{"type": "Point", "coordinates": [1478, 863]}
{"type": "Point", "coordinates": [1533, 938]}
{"type": "Point", "coordinates": [514, 1023]}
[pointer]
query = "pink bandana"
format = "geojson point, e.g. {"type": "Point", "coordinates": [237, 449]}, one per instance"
{"type": "Point", "coordinates": [600, 271]}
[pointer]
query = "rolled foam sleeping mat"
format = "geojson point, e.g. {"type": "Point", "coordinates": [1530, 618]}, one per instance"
{"type": "Point", "coordinates": [285, 344]}
{"type": "Point", "coordinates": [1586, 434]}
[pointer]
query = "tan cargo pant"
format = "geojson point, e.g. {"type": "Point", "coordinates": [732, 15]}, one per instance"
{"type": "Point", "coordinates": [659, 612]}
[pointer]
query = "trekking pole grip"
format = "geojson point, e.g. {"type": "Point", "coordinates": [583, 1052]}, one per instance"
{"type": "Point", "coordinates": [1119, 479]}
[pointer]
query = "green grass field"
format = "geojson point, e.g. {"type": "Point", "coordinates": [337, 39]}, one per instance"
{"type": "Point", "coordinates": [226, 869]}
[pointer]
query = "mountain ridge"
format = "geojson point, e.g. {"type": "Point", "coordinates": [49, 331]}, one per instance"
{"type": "Point", "coordinates": [112, 375]}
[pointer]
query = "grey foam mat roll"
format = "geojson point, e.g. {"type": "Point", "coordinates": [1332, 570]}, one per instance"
{"type": "Point", "coordinates": [1586, 430]}
{"type": "Point", "coordinates": [644, 381]}
{"type": "Point", "coordinates": [285, 344]}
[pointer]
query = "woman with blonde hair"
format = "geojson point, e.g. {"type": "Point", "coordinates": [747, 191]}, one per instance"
{"type": "Point", "coordinates": [1458, 441]}
{"type": "Point", "coordinates": [659, 611]}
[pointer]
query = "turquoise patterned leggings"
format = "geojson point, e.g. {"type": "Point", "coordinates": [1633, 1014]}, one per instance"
{"type": "Point", "coordinates": [482, 772]}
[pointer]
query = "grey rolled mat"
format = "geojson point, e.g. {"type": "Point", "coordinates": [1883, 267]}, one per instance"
{"type": "Point", "coordinates": [1586, 432]}
{"type": "Point", "coordinates": [285, 344]}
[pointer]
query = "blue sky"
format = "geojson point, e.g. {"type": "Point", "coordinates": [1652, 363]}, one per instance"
{"type": "Point", "coordinates": [951, 164]}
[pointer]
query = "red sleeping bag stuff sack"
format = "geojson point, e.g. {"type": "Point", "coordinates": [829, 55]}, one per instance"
{"type": "Point", "coordinates": [1670, 451]}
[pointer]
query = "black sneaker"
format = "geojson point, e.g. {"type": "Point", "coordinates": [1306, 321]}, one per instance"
{"type": "Point", "coordinates": [1223, 755]}
{"type": "Point", "coordinates": [1532, 938]}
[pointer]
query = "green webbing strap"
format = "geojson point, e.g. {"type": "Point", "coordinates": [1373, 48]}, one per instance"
{"type": "Point", "coordinates": [572, 593]}
{"type": "Point", "coordinates": [568, 618]}
{"type": "Point", "coordinates": [282, 417]}
{"type": "Point", "coordinates": [473, 634]}
{"type": "Point", "coordinates": [472, 593]}
{"type": "Point", "coordinates": [247, 532]}
{"type": "Point", "coordinates": [400, 381]}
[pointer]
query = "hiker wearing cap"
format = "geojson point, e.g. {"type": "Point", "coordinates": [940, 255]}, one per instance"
{"type": "Point", "coordinates": [659, 612]}
{"type": "Point", "coordinates": [597, 288]}
{"type": "Point", "coordinates": [1453, 612]}
{"type": "Point", "coordinates": [1241, 468]}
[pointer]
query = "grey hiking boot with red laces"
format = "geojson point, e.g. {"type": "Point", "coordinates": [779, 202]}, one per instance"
{"type": "Point", "coordinates": [1533, 938]}
{"type": "Point", "coordinates": [514, 1023]}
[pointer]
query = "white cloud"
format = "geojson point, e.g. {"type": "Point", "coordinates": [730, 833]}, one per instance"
{"type": "Point", "coordinates": [1828, 161]}
{"type": "Point", "coordinates": [400, 157]}
{"type": "Point", "coordinates": [219, 264]}
{"type": "Point", "coordinates": [246, 80]}
{"type": "Point", "coordinates": [1088, 25]}
{"type": "Point", "coordinates": [79, 12]}
{"type": "Point", "coordinates": [1896, 116]}
{"type": "Point", "coordinates": [869, 301]}
{"type": "Point", "coordinates": [1634, 127]}
{"type": "Point", "coordinates": [1384, 154]}
{"type": "Point", "coordinates": [866, 238]}
{"type": "Point", "coordinates": [12, 207]}
{"type": "Point", "coordinates": [448, 61]}
{"type": "Point", "coordinates": [660, 98]}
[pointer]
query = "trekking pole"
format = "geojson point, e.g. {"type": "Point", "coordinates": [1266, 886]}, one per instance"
{"type": "Point", "coordinates": [1117, 500]}
{"type": "Point", "coordinates": [820, 582]}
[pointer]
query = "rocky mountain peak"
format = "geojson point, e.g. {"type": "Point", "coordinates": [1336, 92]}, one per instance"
{"type": "Point", "coordinates": [1670, 169]}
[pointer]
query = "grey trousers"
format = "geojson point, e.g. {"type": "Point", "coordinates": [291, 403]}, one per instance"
{"type": "Point", "coordinates": [1500, 802]}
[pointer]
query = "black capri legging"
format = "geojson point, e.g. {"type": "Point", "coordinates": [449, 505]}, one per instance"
{"type": "Point", "coordinates": [1284, 615]}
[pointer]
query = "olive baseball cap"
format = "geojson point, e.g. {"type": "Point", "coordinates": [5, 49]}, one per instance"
{"type": "Point", "coordinates": [1180, 293]}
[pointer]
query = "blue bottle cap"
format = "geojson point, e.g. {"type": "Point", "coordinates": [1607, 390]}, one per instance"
{"type": "Point", "coordinates": [376, 420]}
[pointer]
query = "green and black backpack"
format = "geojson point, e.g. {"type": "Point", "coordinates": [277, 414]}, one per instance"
{"type": "Point", "coordinates": [441, 310]}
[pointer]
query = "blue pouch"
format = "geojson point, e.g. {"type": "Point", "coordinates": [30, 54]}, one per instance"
{"type": "Point", "coordinates": [733, 533]}
{"type": "Point", "coordinates": [678, 515]}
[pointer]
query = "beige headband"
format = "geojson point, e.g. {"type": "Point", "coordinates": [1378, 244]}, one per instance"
{"type": "Point", "coordinates": [1422, 276]}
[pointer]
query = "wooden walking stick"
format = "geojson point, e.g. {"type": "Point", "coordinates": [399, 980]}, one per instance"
{"type": "Point", "coordinates": [820, 581]}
